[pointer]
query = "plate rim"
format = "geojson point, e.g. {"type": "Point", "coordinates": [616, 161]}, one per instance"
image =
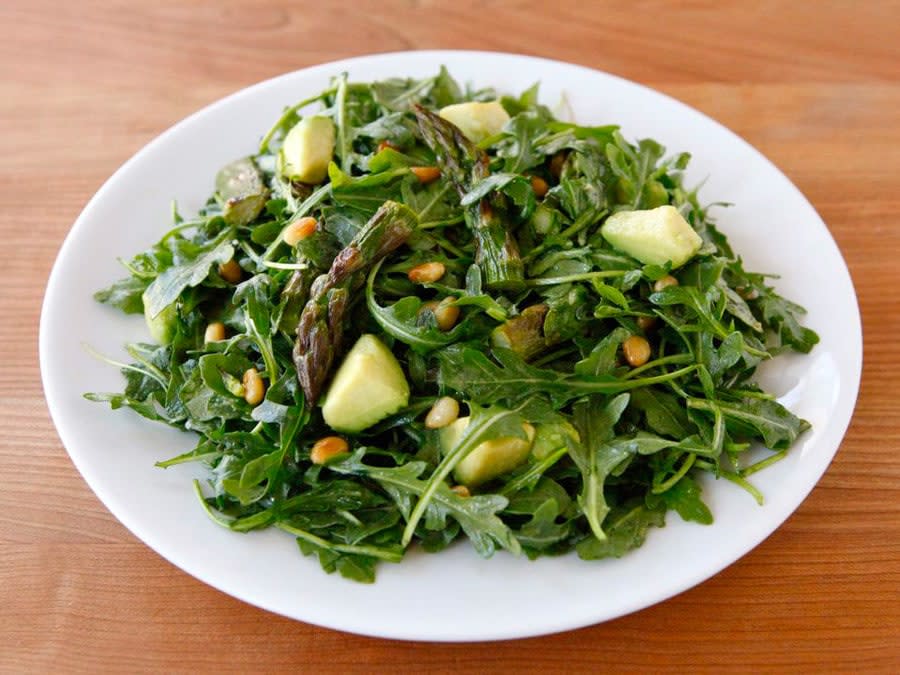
{"type": "Point", "coordinates": [437, 56]}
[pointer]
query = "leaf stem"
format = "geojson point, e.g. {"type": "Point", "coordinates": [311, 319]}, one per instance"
{"type": "Point", "coordinates": [534, 472]}
{"type": "Point", "coordinates": [764, 463]}
{"type": "Point", "coordinates": [389, 554]}
{"type": "Point", "coordinates": [286, 115]}
{"type": "Point", "coordinates": [734, 478]}
{"type": "Point", "coordinates": [585, 276]}
{"type": "Point", "coordinates": [665, 360]}
{"type": "Point", "coordinates": [341, 118]}
{"type": "Point", "coordinates": [667, 484]}
{"type": "Point", "coordinates": [125, 366]}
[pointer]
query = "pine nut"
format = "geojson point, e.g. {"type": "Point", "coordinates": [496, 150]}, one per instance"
{"type": "Point", "coordinates": [646, 323]}
{"type": "Point", "coordinates": [446, 314]}
{"type": "Point", "coordinates": [636, 350]}
{"type": "Point", "coordinates": [231, 271]}
{"type": "Point", "coordinates": [426, 273]}
{"type": "Point", "coordinates": [254, 387]}
{"type": "Point", "coordinates": [665, 282]}
{"type": "Point", "coordinates": [384, 145]}
{"type": "Point", "coordinates": [444, 411]}
{"type": "Point", "coordinates": [299, 230]}
{"type": "Point", "coordinates": [426, 174]}
{"type": "Point", "coordinates": [214, 332]}
{"type": "Point", "coordinates": [461, 490]}
{"type": "Point", "coordinates": [747, 293]}
{"type": "Point", "coordinates": [556, 164]}
{"type": "Point", "coordinates": [539, 185]}
{"type": "Point", "coordinates": [326, 448]}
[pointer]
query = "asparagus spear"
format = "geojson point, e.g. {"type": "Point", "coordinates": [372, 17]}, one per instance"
{"type": "Point", "coordinates": [464, 164]}
{"type": "Point", "coordinates": [321, 326]}
{"type": "Point", "coordinates": [293, 299]}
{"type": "Point", "coordinates": [524, 334]}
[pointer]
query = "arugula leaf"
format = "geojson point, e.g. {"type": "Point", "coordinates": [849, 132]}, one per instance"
{"type": "Point", "coordinates": [684, 497]}
{"type": "Point", "coordinates": [543, 531]}
{"type": "Point", "coordinates": [595, 420]}
{"type": "Point", "coordinates": [783, 315]}
{"type": "Point", "coordinates": [755, 417]}
{"type": "Point", "coordinates": [406, 322]}
{"type": "Point", "coordinates": [602, 359]}
{"type": "Point", "coordinates": [124, 294]}
{"type": "Point", "coordinates": [627, 529]}
{"type": "Point", "coordinates": [471, 372]}
{"type": "Point", "coordinates": [165, 289]}
{"type": "Point", "coordinates": [484, 424]}
{"type": "Point", "coordinates": [476, 515]}
{"type": "Point", "coordinates": [515, 186]}
{"type": "Point", "coordinates": [521, 151]}
{"type": "Point", "coordinates": [664, 413]}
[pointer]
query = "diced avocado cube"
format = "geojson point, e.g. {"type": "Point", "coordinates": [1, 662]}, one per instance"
{"type": "Point", "coordinates": [162, 326]}
{"type": "Point", "coordinates": [241, 191]}
{"type": "Point", "coordinates": [654, 236]}
{"type": "Point", "coordinates": [489, 459]}
{"type": "Point", "coordinates": [475, 119]}
{"type": "Point", "coordinates": [368, 386]}
{"type": "Point", "coordinates": [307, 150]}
{"type": "Point", "coordinates": [544, 219]}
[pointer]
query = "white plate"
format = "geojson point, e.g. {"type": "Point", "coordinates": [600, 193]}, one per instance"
{"type": "Point", "coordinates": [454, 595]}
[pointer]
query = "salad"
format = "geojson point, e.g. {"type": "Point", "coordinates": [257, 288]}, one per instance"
{"type": "Point", "coordinates": [421, 313]}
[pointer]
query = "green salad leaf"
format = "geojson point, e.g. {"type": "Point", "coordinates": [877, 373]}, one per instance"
{"type": "Point", "coordinates": [525, 385]}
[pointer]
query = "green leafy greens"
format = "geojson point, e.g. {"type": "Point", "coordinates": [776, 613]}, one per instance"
{"type": "Point", "coordinates": [543, 312]}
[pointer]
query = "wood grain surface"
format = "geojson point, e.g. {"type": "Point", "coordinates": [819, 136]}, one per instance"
{"type": "Point", "coordinates": [83, 85]}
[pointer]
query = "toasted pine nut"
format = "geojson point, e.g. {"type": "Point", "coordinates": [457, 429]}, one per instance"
{"type": "Point", "coordinates": [426, 174]}
{"type": "Point", "coordinates": [426, 273]}
{"type": "Point", "coordinates": [645, 323]}
{"type": "Point", "coordinates": [299, 230]}
{"type": "Point", "coordinates": [214, 332]}
{"type": "Point", "coordinates": [444, 411]}
{"type": "Point", "coordinates": [326, 448]}
{"type": "Point", "coordinates": [446, 314]}
{"type": "Point", "coordinates": [556, 164]}
{"type": "Point", "coordinates": [665, 282]}
{"type": "Point", "coordinates": [384, 145]}
{"type": "Point", "coordinates": [461, 490]}
{"type": "Point", "coordinates": [231, 271]}
{"type": "Point", "coordinates": [539, 185]}
{"type": "Point", "coordinates": [254, 387]}
{"type": "Point", "coordinates": [636, 350]}
{"type": "Point", "coordinates": [747, 293]}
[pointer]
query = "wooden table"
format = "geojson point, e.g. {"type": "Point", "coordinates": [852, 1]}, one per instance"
{"type": "Point", "coordinates": [815, 86]}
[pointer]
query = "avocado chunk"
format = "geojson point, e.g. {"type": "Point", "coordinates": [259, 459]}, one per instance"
{"type": "Point", "coordinates": [655, 236]}
{"type": "Point", "coordinates": [489, 459]}
{"type": "Point", "coordinates": [307, 150]}
{"type": "Point", "coordinates": [162, 326]}
{"type": "Point", "coordinates": [368, 386]}
{"type": "Point", "coordinates": [475, 119]}
{"type": "Point", "coordinates": [241, 191]}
